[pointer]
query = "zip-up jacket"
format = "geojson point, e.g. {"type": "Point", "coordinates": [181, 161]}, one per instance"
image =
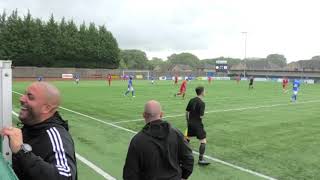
{"type": "Point", "coordinates": [52, 156]}
{"type": "Point", "coordinates": [158, 152]}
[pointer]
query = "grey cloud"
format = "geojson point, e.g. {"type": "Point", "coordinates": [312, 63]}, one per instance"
{"type": "Point", "coordinates": [133, 28]}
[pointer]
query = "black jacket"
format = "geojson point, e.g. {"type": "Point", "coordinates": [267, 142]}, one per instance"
{"type": "Point", "coordinates": [158, 152]}
{"type": "Point", "coordinates": [53, 154]}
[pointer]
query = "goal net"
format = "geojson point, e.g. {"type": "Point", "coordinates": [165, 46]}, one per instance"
{"type": "Point", "coordinates": [136, 74]}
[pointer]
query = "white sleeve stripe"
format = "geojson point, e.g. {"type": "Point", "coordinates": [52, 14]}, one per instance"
{"type": "Point", "coordinates": [59, 152]}
{"type": "Point", "coordinates": [54, 148]}
{"type": "Point", "coordinates": [59, 145]}
{"type": "Point", "coordinates": [65, 174]}
{"type": "Point", "coordinates": [62, 148]}
{"type": "Point", "coordinates": [58, 149]}
{"type": "Point", "coordinates": [63, 170]}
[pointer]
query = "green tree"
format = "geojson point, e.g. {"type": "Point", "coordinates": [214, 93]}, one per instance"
{"type": "Point", "coordinates": [108, 51]}
{"type": "Point", "coordinates": [277, 59]}
{"type": "Point", "coordinates": [11, 37]}
{"type": "Point", "coordinates": [184, 58]}
{"type": "Point", "coordinates": [315, 58]}
{"type": "Point", "coordinates": [3, 19]}
{"type": "Point", "coordinates": [122, 64]}
{"type": "Point", "coordinates": [155, 62]}
{"type": "Point", "coordinates": [32, 42]}
{"type": "Point", "coordinates": [50, 36]}
{"type": "Point", "coordinates": [135, 59]}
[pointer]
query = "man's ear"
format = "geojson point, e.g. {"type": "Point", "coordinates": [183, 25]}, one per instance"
{"type": "Point", "coordinates": [161, 114]}
{"type": "Point", "coordinates": [47, 108]}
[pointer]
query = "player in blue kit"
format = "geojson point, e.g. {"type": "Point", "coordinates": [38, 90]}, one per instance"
{"type": "Point", "coordinates": [130, 87]}
{"type": "Point", "coordinates": [77, 78]}
{"type": "Point", "coordinates": [295, 89]}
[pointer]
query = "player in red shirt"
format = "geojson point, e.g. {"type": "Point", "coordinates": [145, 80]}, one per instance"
{"type": "Point", "coordinates": [183, 89]}
{"type": "Point", "coordinates": [175, 80]}
{"type": "Point", "coordinates": [209, 79]}
{"type": "Point", "coordinates": [285, 82]}
{"type": "Point", "coordinates": [238, 79]}
{"type": "Point", "coordinates": [109, 78]}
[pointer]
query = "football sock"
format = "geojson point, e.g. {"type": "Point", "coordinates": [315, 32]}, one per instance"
{"type": "Point", "coordinates": [202, 149]}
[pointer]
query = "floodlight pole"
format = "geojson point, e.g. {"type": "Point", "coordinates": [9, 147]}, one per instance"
{"type": "Point", "coordinates": [245, 53]}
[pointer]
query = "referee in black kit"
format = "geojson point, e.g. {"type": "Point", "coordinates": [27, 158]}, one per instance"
{"type": "Point", "coordinates": [194, 114]}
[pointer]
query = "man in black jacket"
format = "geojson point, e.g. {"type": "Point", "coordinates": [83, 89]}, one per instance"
{"type": "Point", "coordinates": [43, 149]}
{"type": "Point", "coordinates": [158, 151]}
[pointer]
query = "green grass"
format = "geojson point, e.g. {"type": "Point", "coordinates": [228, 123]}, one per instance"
{"type": "Point", "coordinates": [281, 141]}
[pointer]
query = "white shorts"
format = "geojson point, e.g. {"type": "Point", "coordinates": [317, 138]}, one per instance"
{"type": "Point", "coordinates": [295, 92]}
{"type": "Point", "coordinates": [130, 89]}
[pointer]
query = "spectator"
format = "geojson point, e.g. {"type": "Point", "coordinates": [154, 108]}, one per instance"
{"type": "Point", "coordinates": [43, 149]}
{"type": "Point", "coordinates": [158, 151]}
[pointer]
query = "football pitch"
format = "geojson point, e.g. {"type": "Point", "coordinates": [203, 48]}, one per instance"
{"type": "Point", "coordinates": [251, 134]}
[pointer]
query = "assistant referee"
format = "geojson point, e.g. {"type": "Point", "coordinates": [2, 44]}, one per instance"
{"type": "Point", "coordinates": [194, 114]}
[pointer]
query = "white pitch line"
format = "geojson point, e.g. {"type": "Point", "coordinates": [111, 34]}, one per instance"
{"type": "Point", "coordinates": [237, 167]}
{"type": "Point", "coordinates": [94, 167]}
{"type": "Point", "coordinates": [88, 163]}
{"type": "Point", "coordinates": [226, 110]}
{"type": "Point", "coordinates": [209, 157]}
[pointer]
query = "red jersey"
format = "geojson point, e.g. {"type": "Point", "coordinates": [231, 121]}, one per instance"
{"type": "Point", "coordinates": [109, 77]}
{"type": "Point", "coordinates": [285, 81]}
{"type": "Point", "coordinates": [183, 85]}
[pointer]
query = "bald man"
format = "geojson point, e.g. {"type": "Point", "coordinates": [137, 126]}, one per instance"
{"type": "Point", "coordinates": [158, 151]}
{"type": "Point", "coordinates": [43, 148]}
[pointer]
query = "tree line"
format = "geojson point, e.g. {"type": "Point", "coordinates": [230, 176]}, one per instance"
{"type": "Point", "coordinates": [29, 41]}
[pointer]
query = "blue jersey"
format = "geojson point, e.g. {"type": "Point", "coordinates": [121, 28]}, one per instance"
{"type": "Point", "coordinates": [296, 85]}
{"type": "Point", "coordinates": [130, 83]}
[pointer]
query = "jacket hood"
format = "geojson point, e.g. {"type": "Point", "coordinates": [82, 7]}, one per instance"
{"type": "Point", "coordinates": [157, 129]}
{"type": "Point", "coordinates": [55, 120]}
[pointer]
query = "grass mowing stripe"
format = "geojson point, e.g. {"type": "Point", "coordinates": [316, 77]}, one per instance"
{"type": "Point", "coordinates": [88, 163]}
{"type": "Point", "coordinates": [94, 167]}
{"type": "Point", "coordinates": [236, 167]}
{"type": "Point", "coordinates": [226, 110]}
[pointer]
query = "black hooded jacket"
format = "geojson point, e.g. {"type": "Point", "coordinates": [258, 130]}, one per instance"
{"type": "Point", "coordinates": [53, 154]}
{"type": "Point", "coordinates": [158, 152]}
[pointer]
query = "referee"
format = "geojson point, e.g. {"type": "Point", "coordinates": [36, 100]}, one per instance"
{"type": "Point", "coordinates": [194, 115]}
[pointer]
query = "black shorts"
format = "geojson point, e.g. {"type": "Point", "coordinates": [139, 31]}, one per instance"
{"type": "Point", "coordinates": [196, 130]}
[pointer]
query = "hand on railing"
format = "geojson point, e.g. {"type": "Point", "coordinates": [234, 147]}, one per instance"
{"type": "Point", "coordinates": [15, 138]}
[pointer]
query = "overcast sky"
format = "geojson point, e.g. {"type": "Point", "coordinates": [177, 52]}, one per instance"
{"type": "Point", "coordinates": [208, 29]}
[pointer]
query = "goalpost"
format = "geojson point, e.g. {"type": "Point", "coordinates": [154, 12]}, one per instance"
{"type": "Point", "coordinates": [5, 105]}
{"type": "Point", "coordinates": [129, 72]}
